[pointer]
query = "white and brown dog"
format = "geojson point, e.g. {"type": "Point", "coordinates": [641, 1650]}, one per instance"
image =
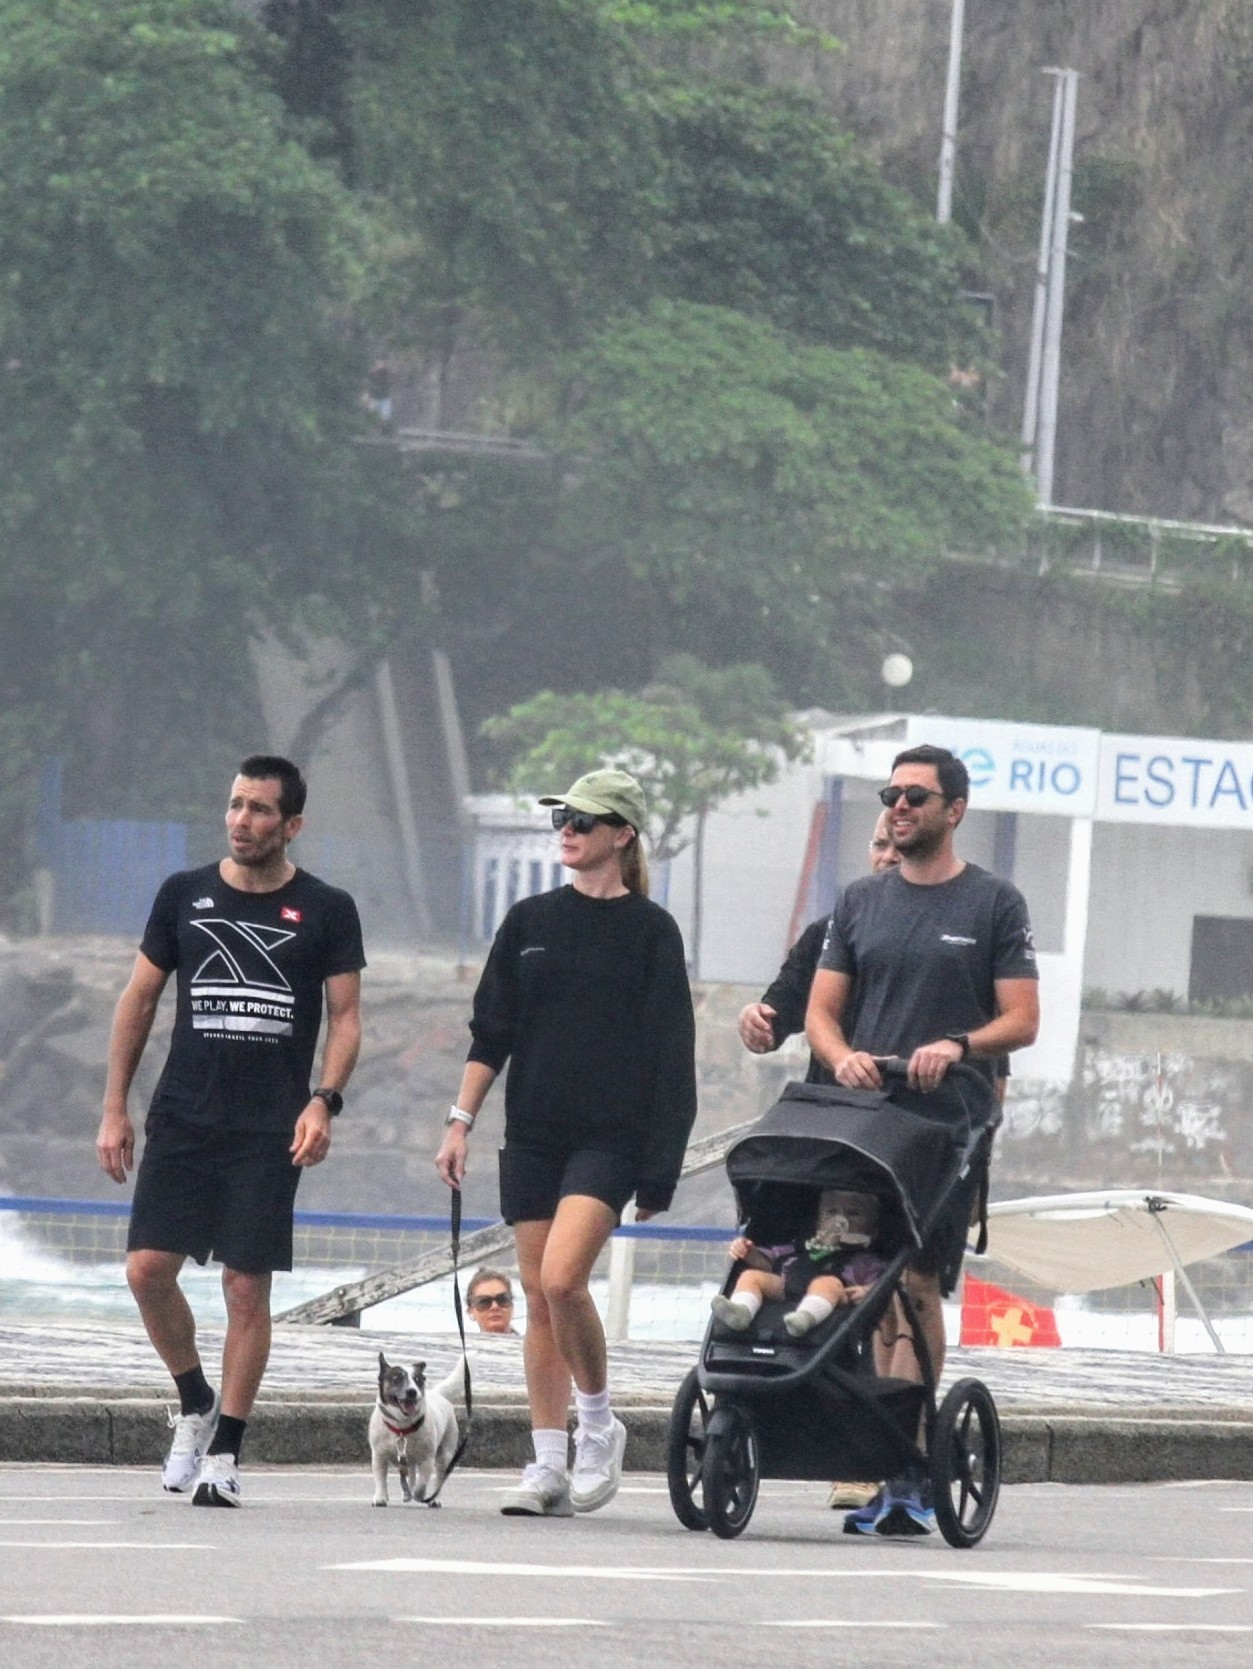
{"type": "Point", "coordinates": [413, 1429]}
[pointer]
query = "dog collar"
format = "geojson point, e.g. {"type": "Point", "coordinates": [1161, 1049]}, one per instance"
{"type": "Point", "coordinates": [401, 1431]}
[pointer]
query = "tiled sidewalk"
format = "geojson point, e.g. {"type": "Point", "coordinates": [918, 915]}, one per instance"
{"type": "Point", "coordinates": [321, 1363]}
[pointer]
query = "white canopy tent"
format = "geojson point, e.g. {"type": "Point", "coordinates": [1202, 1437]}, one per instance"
{"type": "Point", "coordinates": [1086, 1242]}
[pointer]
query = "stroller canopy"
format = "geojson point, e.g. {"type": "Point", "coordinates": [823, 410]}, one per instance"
{"type": "Point", "coordinates": [825, 1136]}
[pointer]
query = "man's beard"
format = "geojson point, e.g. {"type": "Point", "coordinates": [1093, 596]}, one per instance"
{"type": "Point", "coordinates": [922, 843]}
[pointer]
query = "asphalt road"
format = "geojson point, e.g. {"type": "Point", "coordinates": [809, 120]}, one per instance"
{"type": "Point", "coordinates": [98, 1568]}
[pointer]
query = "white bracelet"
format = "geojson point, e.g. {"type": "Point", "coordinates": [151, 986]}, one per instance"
{"type": "Point", "coordinates": [458, 1115]}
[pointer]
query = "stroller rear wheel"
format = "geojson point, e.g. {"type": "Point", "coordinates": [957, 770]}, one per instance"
{"type": "Point", "coordinates": [966, 1463]}
{"type": "Point", "coordinates": [685, 1453]}
{"type": "Point", "coordinates": [730, 1473]}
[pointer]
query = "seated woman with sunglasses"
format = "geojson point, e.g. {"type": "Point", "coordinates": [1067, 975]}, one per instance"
{"type": "Point", "coordinates": [489, 1299]}
{"type": "Point", "coordinates": [585, 995]}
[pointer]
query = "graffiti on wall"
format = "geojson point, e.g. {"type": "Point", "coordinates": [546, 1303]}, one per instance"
{"type": "Point", "coordinates": [1174, 1119]}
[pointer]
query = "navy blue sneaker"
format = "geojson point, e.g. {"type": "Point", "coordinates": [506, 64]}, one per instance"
{"type": "Point", "coordinates": [901, 1508]}
{"type": "Point", "coordinates": [862, 1522]}
{"type": "Point", "coordinates": [908, 1511]}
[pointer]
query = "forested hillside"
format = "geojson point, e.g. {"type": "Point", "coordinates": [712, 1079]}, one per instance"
{"type": "Point", "coordinates": [685, 253]}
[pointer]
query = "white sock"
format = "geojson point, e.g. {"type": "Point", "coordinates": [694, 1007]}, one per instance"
{"type": "Point", "coordinates": [819, 1308]}
{"type": "Point", "coordinates": [747, 1299]}
{"type": "Point", "coordinates": [593, 1410]}
{"type": "Point", "coordinates": [552, 1449]}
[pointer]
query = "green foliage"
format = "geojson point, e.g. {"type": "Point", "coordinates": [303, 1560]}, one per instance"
{"type": "Point", "coordinates": [176, 391]}
{"type": "Point", "coordinates": [776, 212]}
{"type": "Point", "coordinates": [755, 484]}
{"type": "Point", "coordinates": [692, 738]}
{"type": "Point", "coordinates": [770, 19]}
{"type": "Point", "coordinates": [509, 145]}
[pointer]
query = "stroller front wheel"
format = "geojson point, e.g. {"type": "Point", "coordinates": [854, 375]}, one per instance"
{"type": "Point", "coordinates": [730, 1473]}
{"type": "Point", "coordinates": [966, 1463]}
{"type": "Point", "coordinates": [685, 1453]}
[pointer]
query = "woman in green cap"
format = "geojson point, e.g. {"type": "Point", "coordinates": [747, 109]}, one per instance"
{"type": "Point", "coordinates": [585, 995]}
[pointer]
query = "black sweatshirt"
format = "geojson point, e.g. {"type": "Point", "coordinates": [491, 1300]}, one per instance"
{"type": "Point", "coordinates": [588, 1001]}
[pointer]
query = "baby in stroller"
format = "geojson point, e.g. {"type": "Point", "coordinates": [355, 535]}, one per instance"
{"type": "Point", "coordinates": [832, 1267]}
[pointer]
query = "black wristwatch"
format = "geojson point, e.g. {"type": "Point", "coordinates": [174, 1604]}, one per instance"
{"type": "Point", "coordinates": [334, 1100]}
{"type": "Point", "coordinates": [962, 1039]}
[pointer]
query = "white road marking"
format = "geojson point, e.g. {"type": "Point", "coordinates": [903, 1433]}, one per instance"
{"type": "Point", "coordinates": [910, 1623]}
{"type": "Point", "coordinates": [485, 1567]}
{"type": "Point", "coordinates": [506, 1622]}
{"type": "Point", "coordinates": [1048, 1582]}
{"type": "Point", "coordinates": [95, 1619]}
{"type": "Point", "coordinates": [1198, 1559]}
{"type": "Point", "coordinates": [1178, 1628]}
{"type": "Point", "coordinates": [1024, 1582]}
{"type": "Point", "coordinates": [160, 1547]}
{"type": "Point", "coordinates": [62, 1521]}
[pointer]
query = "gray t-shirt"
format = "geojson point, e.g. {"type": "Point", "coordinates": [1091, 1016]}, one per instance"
{"type": "Point", "coordinates": [924, 959]}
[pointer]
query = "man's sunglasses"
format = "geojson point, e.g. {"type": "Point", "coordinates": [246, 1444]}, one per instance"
{"type": "Point", "coordinates": [583, 822]}
{"type": "Point", "coordinates": [490, 1300]}
{"type": "Point", "coordinates": [915, 795]}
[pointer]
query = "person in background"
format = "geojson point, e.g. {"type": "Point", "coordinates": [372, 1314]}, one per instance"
{"type": "Point", "coordinates": [489, 1299]}
{"type": "Point", "coordinates": [765, 1025]}
{"type": "Point", "coordinates": [585, 995]}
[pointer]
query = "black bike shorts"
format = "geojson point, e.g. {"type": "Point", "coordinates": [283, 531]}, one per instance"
{"type": "Point", "coordinates": [534, 1179]}
{"type": "Point", "coordinates": [222, 1194]}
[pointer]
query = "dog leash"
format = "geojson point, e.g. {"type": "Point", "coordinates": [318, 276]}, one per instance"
{"type": "Point", "coordinates": [455, 1236]}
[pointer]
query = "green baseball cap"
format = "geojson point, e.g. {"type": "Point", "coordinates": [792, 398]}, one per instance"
{"type": "Point", "coordinates": [605, 793]}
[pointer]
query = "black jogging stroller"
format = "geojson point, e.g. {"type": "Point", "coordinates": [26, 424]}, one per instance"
{"type": "Point", "coordinates": [762, 1404]}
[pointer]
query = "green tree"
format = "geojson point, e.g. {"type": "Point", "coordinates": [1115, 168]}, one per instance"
{"type": "Point", "coordinates": [773, 211]}
{"type": "Point", "coordinates": [178, 387]}
{"type": "Point", "coordinates": [693, 737]}
{"type": "Point", "coordinates": [763, 495]}
{"type": "Point", "coordinates": [515, 156]}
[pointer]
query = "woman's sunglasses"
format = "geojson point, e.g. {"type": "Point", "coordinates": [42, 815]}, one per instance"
{"type": "Point", "coordinates": [915, 795]}
{"type": "Point", "coordinates": [489, 1300]}
{"type": "Point", "coordinates": [583, 822]}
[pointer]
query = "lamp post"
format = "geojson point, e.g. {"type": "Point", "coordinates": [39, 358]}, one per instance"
{"type": "Point", "coordinates": [948, 127]}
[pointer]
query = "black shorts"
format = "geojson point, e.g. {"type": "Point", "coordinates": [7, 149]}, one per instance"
{"type": "Point", "coordinates": [945, 1246]}
{"type": "Point", "coordinates": [225, 1194]}
{"type": "Point", "coordinates": [534, 1179]}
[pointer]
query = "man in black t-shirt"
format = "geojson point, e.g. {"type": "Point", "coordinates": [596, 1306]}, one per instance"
{"type": "Point", "coordinates": [932, 961]}
{"type": "Point", "coordinates": [254, 944]}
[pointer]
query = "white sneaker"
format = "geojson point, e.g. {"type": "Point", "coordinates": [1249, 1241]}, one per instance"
{"type": "Point", "coordinates": [193, 1434]}
{"type": "Point", "coordinates": [219, 1483]}
{"type": "Point", "coordinates": [597, 1466]}
{"type": "Point", "coordinates": [543, 1493]}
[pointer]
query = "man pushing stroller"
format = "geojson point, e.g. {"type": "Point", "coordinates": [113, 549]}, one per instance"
{"type": "Point", "coordinates": [934, 962]}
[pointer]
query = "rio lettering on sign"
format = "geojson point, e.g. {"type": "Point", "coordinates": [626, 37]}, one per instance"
{"type": "Point", "coordinates": [1019, 767]}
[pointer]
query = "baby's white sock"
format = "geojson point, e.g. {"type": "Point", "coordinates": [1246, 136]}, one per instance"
{"type": "Point", "coordinates": [819, 1308]}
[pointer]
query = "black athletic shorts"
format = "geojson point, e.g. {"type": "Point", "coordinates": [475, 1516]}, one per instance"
{"type": "Point", "coordinates": [945, 1246]}
{"type": "Point", "coordinates": [222, 1194]}
{"type": "Point", "coordinates": [534, 1179]}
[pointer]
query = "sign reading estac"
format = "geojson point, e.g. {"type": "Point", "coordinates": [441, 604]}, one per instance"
{"type": "Point", "coordinates": [1176, 780]}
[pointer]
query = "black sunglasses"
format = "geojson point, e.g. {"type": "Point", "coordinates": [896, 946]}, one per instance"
{"type": "Point", "coordinates": [501, 1299]}
{"type": "Point", "coordinates": [583, 822]}
{"type": "Point", "coordinates": [915, 795]}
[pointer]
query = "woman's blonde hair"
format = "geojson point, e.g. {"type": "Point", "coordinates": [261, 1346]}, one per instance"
{"type": "Point", "coordinates": [635, 866]}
